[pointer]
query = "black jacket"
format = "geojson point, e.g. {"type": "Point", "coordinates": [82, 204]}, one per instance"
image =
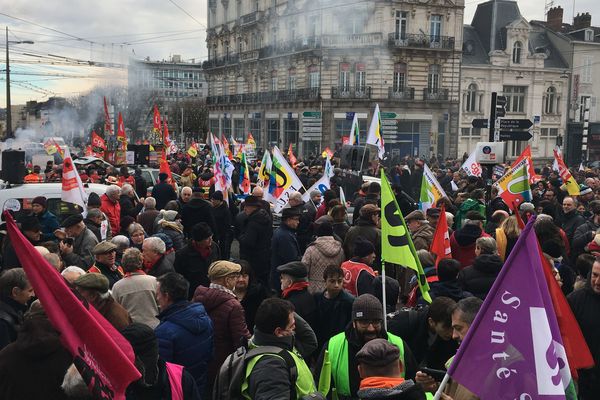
{"type": "Point", "coordinates": [570, 222]}
{"type": "Point", "coordinates": [304, 305]}
{"type": "Point", "coordinates": [284, 246]}
{"type": "Point", "coordinates": [479, 277]}
{"type": "Point", "coordinates": [11, 318]}
{"type": "Point", "coordinates": [255, 243]}
{"type": "Point", "coordinates": [197, 210]}
{"type": "Point", "coordinates": [333, 315]}
{"type": "Point", "coordinates": [163, 193]}
{"type": "Point", "coordinates": [94, 227]}
{"type": "Point", "coordinates": [583, 235]}
{"type": "Point", "coordinates": [190, 264]}
{"type": "Point", "coordinates": [161, 389]}
{"type": "Point", "coordinates": [162, 266]}
{"type": "Point", "coordinates": [222, 231]}
{"type": "Point", "coordinates": [256, 293]}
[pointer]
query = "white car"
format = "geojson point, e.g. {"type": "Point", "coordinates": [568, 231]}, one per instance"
{"type": "Point", "coordinates": [18, 197]}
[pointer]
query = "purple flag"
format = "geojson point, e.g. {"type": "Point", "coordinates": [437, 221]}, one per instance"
{"type": "Point", "coordinates": [513, 349]}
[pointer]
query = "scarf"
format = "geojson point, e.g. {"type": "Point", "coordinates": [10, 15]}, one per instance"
{"type": "Point", "coordinates": [380, 382]}
{"type": "Point", "coordinates": [222, 288]}
{"type": "Point", "coordinates": [294, 287]}
{"type": "Point", "coordinates": [173, 225]}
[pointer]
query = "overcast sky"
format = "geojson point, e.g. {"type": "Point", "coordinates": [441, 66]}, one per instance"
{"type": "Point", "coordinates": [113, 30]}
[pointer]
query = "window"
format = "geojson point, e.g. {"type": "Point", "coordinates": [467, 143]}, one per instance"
{"type": "Point", "coordinates": [274, 36]}
{"type": "Point", "coordinates": [472, 98]}
{"type": "Point", "coordinates": [239, 129]}
{"type": "Point", "coordinates": [399, 77]}
{"type": "Point", "coordinates": [582, 106]}
{"type": "Point", "coordinates": [227, 126]}
{"type": "Point", "coordinates": [473, 132]}
{"type": "Point", "coordinates": [435, 27]}
{"type": "Point", "coordinates": [344, 77]}
{"type": "Point", "coordinates": [586, 73]}
{"type": "Point", "coordinates": [255, 129]}
{"type": "Point", "coordinates": [291, 79]}
{"type": "Point", "coordinates": [515, 98]}
{"type": "Point", "coordinates": [273, 131]}
{"type": "Point", "coordinates": [433, 78]}
{"type": "Point", "coordinates": [313, 77]}
{"type": "Point", "coordinates": [401, 24]}
{"type": "Point", "coordinates": [548, 132]}
{"type": "Point", "coordinates": [292, 30]}
{"type": "Point", "coordinates": [516, 147]}
{"type": "Point", "coordinates": [240, 85]}
{"type": "Point", "coordinates": [589, 35]}
{"type": "Point", "coordinates": [225, 89]}
{"type": "Point", "coordinates": [549, 106]}
{"type": "Point", "coordinates": [240, 43]}
{"type": "Point", "coordinates": [516, 56]}
{"type": "Point", "coordinates": [273, 81]}
{"type": "Point", "coordinates": [360, 77]}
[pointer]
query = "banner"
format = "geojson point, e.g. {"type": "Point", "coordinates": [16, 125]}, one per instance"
{"type": "Point", "coordinates": [156, 120]}
{"type": "Point", "coordinates": [472, 167]}
{"type": "Point", "coordinates": [514, 185]}
{"type": "Point", "coordinates": [107, 122]}
{"type": "Point", "coordinates": [121, 136]}
{"type": "Point", "coordinates": [396, 244]}
{"type": "Point", "coordinates": [193, 149]}
{"type": "Point", "coordinates": [283, 181]}
{"type": "Point", "coordinates": [103, 357]}
{"type": "Point", "coordinates": [431, 190]}
{"type": "Point", "coordinates": [526, 154]}
{"type": "Point", "coordinates": [98, 145]}
{"type": "Point", "coordinates": [244, 176]}
{"type": "Point", "coordinates": [226, 147]}
{"type": "Point", "coordinates": [321, 185]}
{"type": "Point", "coordinates": [374, 135]}
{"type": "Point", "coordinates": [440, 246]}
{"type": "Point", "coordinates": [514, 349]}
{"type": "Point", "coordinates": [72, 187]}
{"type": "Point", "coordinates": [354, 131]}
{"type": "Point", "coordinates": [565, 175]}
{"type": "Point", "coordinates": [264, 172]}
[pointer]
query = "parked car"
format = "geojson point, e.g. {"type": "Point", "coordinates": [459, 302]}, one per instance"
{"type": "Point", "coordinates": [86, 162]}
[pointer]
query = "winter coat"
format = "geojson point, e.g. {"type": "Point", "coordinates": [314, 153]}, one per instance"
{"type": "Point", "coordinates": [146, 219]}
{"type": "Point", "coordinates": [390, 389]}
{"type": "Point", "coordinates": [174, 234]}
{"type": "Point", "coordinates": [33, 367]}
{"type": "Point", "coordinates": [423, 237]}
{"type": "Point", "coordinates": [222, 233]}
{"type": "Point", "coordinates": [304, 232]}
{"type": "Point", "coordinates": [366, 229]}
{"type": "Point", "coordinates": [284, 246]}
{"type": "Point", "coordinates": [324, 251]}
{"type": "Point", "coordinates": [49, 223]}
{"type": "Point", "coordinates": [466, 206]}
{"type": "Point", "coordinates": [340, 229]}
{"type": "Point", "coordinates": [462, 243]}
{"type": "Point", "coordinates": [114, 313]}
{"type": "Point", "coordinates": [333, 315]}
{"type": "Point", "coordinates": [450, 289]}
{"type": "Point", "coordinates": [197, 210]}
{"type": "Point", "coordinates": [82, 255]}
{"type": "Point", "coordinates": [193, 267]}
{"type": "Point", "coordinates": [162, 266]}
{"type": "Point", "coordinates": [137, 294]}
{"type": "Point", "coordinates": [229, 324]}
{"type": "Point", "coordinates": [570, 222]}
{"type": "Point", "coordinates": [161, 388]}
{"type": "Point", "coordinates": [163, 193]}
{"type": "Point", "coordinates": [304, 304]}
{"type": "Point", "coordinates": [255, 243]}
{"type": "Point", "coordinates": [113, 213]}
{"type": "Point", "coordinates": [255, 295]}
{"type": "Point", "coordinates": [94, 227]}
{"type": "Point", "coordinates": [128, 207]}
{"type": "Point", "coordinates": [479, 277]}
{"type": "Point", "coordinates": [582, 236]}
{"type": "Point", "coordinates": [11, 318]}
{"type": "Point", "coordinates": [185, 337]}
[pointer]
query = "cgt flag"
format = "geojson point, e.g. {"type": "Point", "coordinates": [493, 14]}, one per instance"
{"type": "Point", "coordinates": [396, 244]}
{"type": "Point", "coordinates": [102, 355]}
{"type": "Point", "coordinates": [471, 166]}
{"type": "Point", "coordinates": [514, 349]}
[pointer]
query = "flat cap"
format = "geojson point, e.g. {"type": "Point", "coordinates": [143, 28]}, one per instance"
{"type": "Point", "coordinates": [104, 247]}
{"type": "Point", "coordinates": [92, 281]}
{"type": "Point", "coordinates": [378, 353]}
{"type": "Point", "coordinates": [433, 212]}
{"type": "Point", "coordinates": [415, 215]}
{"type": "Point", "coordinates": [72, 220]}
{"type": "Point", "coordinates": [222, 268]}
{"type": "Point", "coordinates": [368, 209]}
{"type": "Point", "coordinates": [297, 269]}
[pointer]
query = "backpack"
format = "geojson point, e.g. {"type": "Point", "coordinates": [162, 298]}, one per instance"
{"type": "Point", "coordinates": [228, 384]}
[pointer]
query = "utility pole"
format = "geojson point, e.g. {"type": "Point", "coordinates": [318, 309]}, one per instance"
{"type": "Point", "coordinates": [9, 133]}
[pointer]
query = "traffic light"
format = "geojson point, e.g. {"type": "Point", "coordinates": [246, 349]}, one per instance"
{"type": "Point", "coordinates": [500, 106]}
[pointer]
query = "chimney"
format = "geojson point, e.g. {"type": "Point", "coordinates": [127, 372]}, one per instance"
{"type": "Point", "coordinates": [582, 21]}
{"type": "Point", "coordinates": [554, 18]}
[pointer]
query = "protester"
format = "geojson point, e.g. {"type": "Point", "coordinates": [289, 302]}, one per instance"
{"type": "Point", "coordinates": [163, 192]}
{"type": "Point", "coordinates": [358, 274]}
{"type": "Point", "coordinates": [48, 221]}
{"type": "Point", "coordinates": [223, 233]}
{"type": "Point", "coordinates": [147, 217]}
{"type": "Point", "coordinates": [197, 210]}
{"type": "Point", "coordinates": [284, 243]}
{"type": "Point", "coordinates": [170, 225]}
{"type": "Point", "coordinates": [15, 294]}
{"type": "Point", "coordinates": [462, 240]}
{"type": "Point", "coordinates": [255, 238]}
{"type": "Point", "coordinates": [249, 292]}
{"type": "Point", "coordinates": [367, 227]}
{"type": "Point", "coordinates": [421, 231]}
{"type": "Point", "coordinates": [156, 263]}
{"type": "Point", "coordinates": [294, 288]}
{"type": "Point", "coordinates": [479, 277]}
{"type": "Point", "coordinates": [112, 208]}
{"type": "Point", "coordinates": [105, 254]}
{"type": "Point", "coordinates": [31, 229]}
{"type": "Point", "coordinates": [324, 251]}
{"type": "Point", "coordinates": [77, 242]}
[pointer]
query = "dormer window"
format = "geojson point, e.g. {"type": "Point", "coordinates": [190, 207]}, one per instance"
{"type": "Point", "coordinates": [516, 55]}
{"type": "Point", "coordinates": [589, 35]}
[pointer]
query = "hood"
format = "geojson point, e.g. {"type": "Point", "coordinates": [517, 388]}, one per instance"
{"type": "Point", "coordinates": [448, 289]}
{"type": "Point", "coordinates": [467, 235]}
{"type": "Point", "coordinates": [401, 391]}
{"type": "Point", "coordinates": [211, 299]}
{"type": "Point", "coordinates": [260, 216]}
{"type": "Point", "coordinates": [328, 246]}
{"type": "Point", "coordinates": [488, 264]}
{"type": "Point", "coordinates": [189, 316]}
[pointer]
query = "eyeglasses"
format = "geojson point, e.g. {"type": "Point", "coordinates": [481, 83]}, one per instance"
{"type": "Point", "coordinates": [364, 323]}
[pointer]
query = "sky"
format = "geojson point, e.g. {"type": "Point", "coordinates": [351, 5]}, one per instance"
{"type": "Point", "coordinates": [68, 34]}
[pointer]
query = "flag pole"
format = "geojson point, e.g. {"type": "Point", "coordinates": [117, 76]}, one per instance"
{"type": "Point", "coordinates": [383, 294]}
{"type": "Point", "coordinates": [440, 390]}
{"type": "Point", "coordinates": [362, 161]}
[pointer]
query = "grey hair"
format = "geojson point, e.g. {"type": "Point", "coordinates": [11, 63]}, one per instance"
{"type": "Point", "coordinates": [134, 228]}
{"type": "Point", "coordinates": [132, 260]}
{"type": "Point", "coordinates": [121, 241]}
{"type": "Point", "coordinates": [73, 269]}
{"type": "Point", "coordinates": [112, 189]}
{"type": "Point", "coordinates": [11, 278]}
{"type": "Point", "coordinates": [156, 244]}
{"type": "Point", "coordinates": [469, 307]}
{"type": "Point", "coordinates": [487, 245]}
{"type": "Point", "coordinates": [53, 259]}
{"type": "Point", "coordinates": [150, 203]}
{"type": "Point", "coordinates": [127, 189]}
{"type": "Point", "coordinates": [94, 213]}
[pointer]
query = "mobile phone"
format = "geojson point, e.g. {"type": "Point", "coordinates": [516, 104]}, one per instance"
{"type": "Point", "coordinates": [68, 241]}
{"type": "Point", "coordinates": [436, 374]}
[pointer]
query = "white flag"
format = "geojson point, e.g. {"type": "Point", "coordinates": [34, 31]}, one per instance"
{"type": "Point", "coordinates": [343, 198]}
{"type": "Point", "coordinates": [555, 163]}
{"type": "Point", "coordinates": [283, 181]}
{"type": "Point", "coordinates": [321, 185]}
{"type": "Point", "coordinates": [374, 136]}
{"type": "Point", "coordinates": [354, 130]}
{"type": "Point", "coordinates": [431, 190]}
{"type": "Point", "coordinates": [581, 167]}
{"type": "Point", "coordinates": [328, 167]}
{"type": "Point", "coordinates": [471, 167]}
{"type": "Point", "coordinates": [72, 187]}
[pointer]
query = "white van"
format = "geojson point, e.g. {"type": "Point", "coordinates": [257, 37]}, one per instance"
{"type": "Point", "coordinates": [18, 197]}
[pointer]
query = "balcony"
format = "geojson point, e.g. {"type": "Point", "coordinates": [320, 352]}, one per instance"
{"type": "Point", "coordinates": [249, 18]}
{"type": "Point", "coordinates": [279, 96]}
{"type": "Point", "coordinates": [251, 55]}
{"type": "Point", "coordinates": [401, 94]}
{"type": "Point", "coordinates": [420, 41]}
{"type": "Point", "coordinates": [291, 46]}
{"type": "Point", "coordinates": [352, 40]}
{"type": "Point", "coordinates": [350, 92]}
{"type": "Point", "coordinates": [221, 61]}
{"type": "Point", "coordinates": [435, 94]}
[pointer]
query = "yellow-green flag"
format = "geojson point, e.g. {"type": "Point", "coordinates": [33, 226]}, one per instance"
{"type": "Point", "coordinates": [396, 244]}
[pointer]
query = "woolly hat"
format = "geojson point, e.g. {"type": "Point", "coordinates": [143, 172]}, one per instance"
{"type": "Point", "coordinates": [94, 200]}
{"type": "Point", "coordinates": [41, 200]}
{"type": "Point", "coordinates": [363, 247]}
{"type": "Point", "coordinates": [367, 306]}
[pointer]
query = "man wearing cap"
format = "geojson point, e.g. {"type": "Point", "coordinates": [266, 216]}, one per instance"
{"type": "Point", "coordinates": [294, 287]}
{"type": "Point", "coordinates": [420, 230]}
{"type": "Point", "coordinates": [31, 229]}
{"type": "Point", "coordinates": [48, 221]}
{"type": "Point", "coordinates": [106, 257]}
{"type": "Point", "coordinates": [284, 244]}
{"type": "Point", "coordinates": [197, 210]}
{"type": "Point", "coordinates": [79, 252]}
{"type": "Point", "coordinates": [462, 240]}
{"type": "Point", "coordinates": [111, 208]}
{"type": "Point", "coordinates": [255, 238]}
{"type": "Point", "coordinates": [358, 274]}
{"type": "Point", "coordinates": [304, 231]}
{"type": "Point", "coordinates": [223, 232]}
{"type": "Point", "coordinates": [380, 371]}
{"type": "Point", "coordinates": [195, 258]}
{"type": "Point", "coordinates": [94, 203]}
{"type": "Point", "coordinates": [433, 215]}
{"type": "Point", "coordinates": [367, 324]}
{"type": "Point", "coordinates": [93, 287]}
{"type": "Point", "coordinates": [367, 226]}
{"type": "Point", "coordinates": [163, 192]}
{"type": "Point", "coordinates": [225, 311]}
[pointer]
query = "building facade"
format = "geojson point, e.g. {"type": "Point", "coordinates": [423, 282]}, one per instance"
{"type": "Point", "coordinates": [504, 53]}
{"type": "Point", "coordinates": [296, 71]}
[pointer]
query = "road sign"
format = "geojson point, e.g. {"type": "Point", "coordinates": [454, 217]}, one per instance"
{"type": "Point", "coordinates": [311, 114]}
{"type": "Point", "coordinates": [515, 135]}
{"type": "Point", "coordinates": [500, 106]}
{"type": "Point", "coordinates": [388, 115]}
{"type": "Point", "coordinates": [480, 123]}
{"type": "Point", "coordinates": [515, 124]}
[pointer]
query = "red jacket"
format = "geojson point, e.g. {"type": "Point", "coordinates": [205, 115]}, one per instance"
{"type": "Point", "coordinates": [462, 243]}
{"type": "Point", "coordinates": [113, 213]}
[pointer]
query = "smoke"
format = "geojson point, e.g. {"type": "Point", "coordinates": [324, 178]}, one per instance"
{"type": "Point", "coordinates": [22, 137]}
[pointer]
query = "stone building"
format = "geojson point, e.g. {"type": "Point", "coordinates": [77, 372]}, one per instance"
{"type": "Point", "coordinates": [295, 71]}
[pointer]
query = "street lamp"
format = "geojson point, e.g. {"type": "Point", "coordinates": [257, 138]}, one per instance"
{"type": "Point", "coordinates": [8, 113]}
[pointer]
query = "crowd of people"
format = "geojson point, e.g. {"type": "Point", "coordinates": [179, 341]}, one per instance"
{"type": "Point", "coordinates": [189, 275]}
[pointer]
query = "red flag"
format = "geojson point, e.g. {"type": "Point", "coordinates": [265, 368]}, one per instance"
{"type": "Point", "coordinates": [89, 152]}
{"type": "Point", "coordinates": [291, 156]}
{"type": "Point", "coordinates": [107, 122]}
{"type": "Point", "coordinates": [166, 168]}
{"type": "Point", "coordinates": [97, 141]}
{"type": "Point", "coordinates": [515, 211]}
{"type": "Point", "coordinates": [440, 246]}
{"type": "Point", "coordinates": [102, 355]}
{"type": "Point", "coordinates": [166, 137]}
{"type": "Point", "coordinates": [578, 352]}
{"type": "Point", "coordinates": [226, 147]}
{"type": "Point", "coordinates": [156, 119]}
{"type": "Point", "coordinates": [526, 154]}
{"type": "Point", "coordinates": [121, 137]}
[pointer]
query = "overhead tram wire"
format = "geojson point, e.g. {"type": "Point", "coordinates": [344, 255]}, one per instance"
{"type": "Point", "coordinates": [188, 14]}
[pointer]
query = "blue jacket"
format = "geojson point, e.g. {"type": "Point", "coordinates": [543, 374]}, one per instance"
{"type": "Point", "coordinates": [284, 246]}
{"type": "Point", "coordinates": [49, 224]}
{"type": "Point", "coordinates": [185, 337]}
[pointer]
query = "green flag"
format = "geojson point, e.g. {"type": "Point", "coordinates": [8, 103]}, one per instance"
{"type": "Point", "coordinates": [396, 244]}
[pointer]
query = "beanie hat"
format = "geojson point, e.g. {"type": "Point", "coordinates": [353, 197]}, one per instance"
{"type": "Point", "coordinates": [363, 247]}
{"type": "Point", "coordinates": [41, 200]}
{"type": "Point", "coordinates": [367, 306]}
{"type": "Point", "coordinates": [94, 200]}
{"type": "Point", "coordinates": [324, 229]}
